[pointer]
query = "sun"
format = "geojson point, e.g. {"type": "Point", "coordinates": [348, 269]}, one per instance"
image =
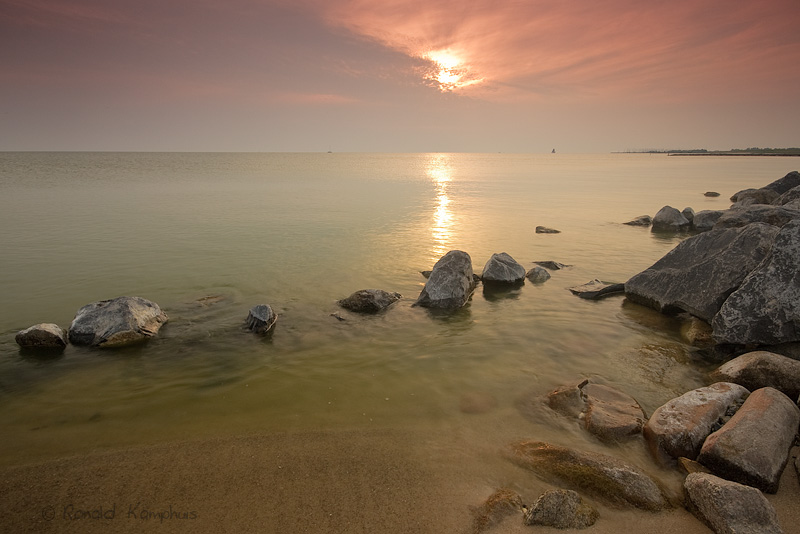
{"type": "Point", "coordinates": [449, 72]}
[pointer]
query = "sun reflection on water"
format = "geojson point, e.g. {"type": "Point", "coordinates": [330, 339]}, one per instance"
{"type": "Point", "coordinates": [439, 171]}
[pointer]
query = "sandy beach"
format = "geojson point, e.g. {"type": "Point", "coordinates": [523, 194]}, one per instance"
{"type": "Point", "coordinates": [321, 482]}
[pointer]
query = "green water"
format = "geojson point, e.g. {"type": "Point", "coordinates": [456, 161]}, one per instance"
{"type": "Point", "coordinates": [299, 231]}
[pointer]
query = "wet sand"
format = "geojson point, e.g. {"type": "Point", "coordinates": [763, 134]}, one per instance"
{"type": "Point", "coordinates": [320, 482]}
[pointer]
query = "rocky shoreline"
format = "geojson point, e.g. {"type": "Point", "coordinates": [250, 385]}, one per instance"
{"type": "Point", "coordinates": [734, 277]}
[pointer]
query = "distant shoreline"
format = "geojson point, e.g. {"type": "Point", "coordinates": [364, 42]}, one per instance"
{"type": "Point", "coordinates": [770, 154]}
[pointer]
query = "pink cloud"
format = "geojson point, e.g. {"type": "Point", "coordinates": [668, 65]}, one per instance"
{"type": "Point", "coordinates": [602, 48]}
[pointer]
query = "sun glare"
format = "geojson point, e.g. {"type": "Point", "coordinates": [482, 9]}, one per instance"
{"type": "Point", "coordinates": [449, 72]}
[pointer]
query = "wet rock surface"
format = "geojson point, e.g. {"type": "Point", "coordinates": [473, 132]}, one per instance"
{"type": "Point", "coordinates": [42, 336]}
{"type": "Point", "coordinates": [597, 289]}
{"type": "Point", "coordinates": [561, 509]}
{"type": "Point", "coordinates": [501, 268]}
{"type": "Point", "coordinates": [116, 322]}
{"type": "Point", "coordinates": [450, 284]}
{"type": "Point", "coordinates": [537, 275]}
{"type": "Point", "coordinates": [261, 319]}
{"type": "Point", "coordinates": [369, 300]}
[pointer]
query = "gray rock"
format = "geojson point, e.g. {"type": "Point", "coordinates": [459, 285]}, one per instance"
{"type": "Point", "coordinates": [705, 220]}
{"type": "Point", "coordinates": [753, 447]}
{"type": "Point", "coordinates": [552, 265]}
{"type": "Point", "coordinates": [603, 477]}
{"type": "Point", "coordinates": [669, 219]}
{"type": "Point", "coordinates": [735, 197]}
{"type": "Point", "coordinates": [789, 196]}
{"type": "Point", "coordinates": [546, 230]}
{"type": "Point", "coordinates": [502, 269]}
{"type": "Point", "coordinates": [688, 213]}
{"type": "Point", "coordinates": [774, 215]}
{"type": "Point", "coordinates": [42, 336]}
{"type": "Point", "coordinates": [597, 289]}
{"type": "Point", "coordinates": [450, 284]}
{"type": "Point", "coordinates": [561, 509]}
{"type": "Point", "coordinates": [641, 220]}
{"type": "Point", "coordinates": [765, 309]}
{"type": "Point", "coordinates": [369, 300]}
{"type": "Point", "coordinates": [537, 275]}
{"type": "Point", "coordinates": [750, 197]}
{"type": "Point", "coordinates": [261, 319]}
{"type": "Point", "coordinates": [711, 194]}
{"type": "Point", "coordinates": [116, 322]}
{"type": "Point", "coordinates": [759, 369]}
{"type": "Point", "coordinates": [680, 426]}
{"type": "Point", "coordinates": [699, 274]}
{"type": "Point", "coordinates": [729, 508]}
{"type": "Point", "coordinates": [782, 185]}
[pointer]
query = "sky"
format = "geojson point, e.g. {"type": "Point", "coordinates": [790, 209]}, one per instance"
{"type": "Point", "coordinates": [398, 75]}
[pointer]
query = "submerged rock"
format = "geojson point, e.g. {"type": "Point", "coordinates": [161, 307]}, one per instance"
{"type": "Point", "coordinates": [538, 275]}
{"type": "Point", "coordinates": [546, 230]}
{"type": "Point", "coordinates": [759, 369]}
{"type": "Point", "coordinates": [669, 219]}
{"type": "Point", "coordinates": [42, 336]}
{"type": "Point", "coordinates": [753, 447]}
{"type": "Point", "coordinates": [561, 509]}
{"type": "Point", "coordinates": [680, 426]}
{"type": "Point", "coordinates": [502, 269]}
{"type": "Point", "coordinates": [711, 194]}
{"type": "Point", "coordinates": [699, 274]}
{"type": "Point", "coordinates": [369, 300]}
{"type": "Point", "coordinates": [596, 289]}
{"type": "Point", "coordinates": [450, 284]}
{"type": "Point", "coordinates": [601, 476]}
{"type": "Point", "coordinates": [552, 265]}
{"type": "Point", "coordinates": [729, 508]}
{"type": "Point", "coordinates": [116, 322]}
{"type": "Point", "coordinates": [261, 319]}
{"type": "Point", "coordinates": [765, 308]}
{"type": "Point", "coordinates": [500, 504]}
{"type": "Point", "coordinates": [641, 220]}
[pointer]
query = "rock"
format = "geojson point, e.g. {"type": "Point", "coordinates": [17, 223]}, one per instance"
{"type": "Point", "coordinates": [42, 336]}
{"type": "Point", "coordinates": [789, 196]}
{"type": "Point", "coordinates": [641, 220]}
{"type": "Point", "coordinates": [705, 220]}
{"type": "Point", "coordinates": [568, 400]}
{"type": "Point", "coordinates": [596, 289]}
{"type": "Point", "coordinates": [729, 508]}
{"type": "Point", "coordinates": [450, 284]}
{"type": "Point", "coordinates": [691, 466]}
{"type": "Point", "coordinates": [759, 369]}
{"type": "Point", "coordinates": [698, 333]}
{"type": "Point", "coordinates": [610, 414]}
{"type": "Point", "coordinates": [369, 300]}
{"type": "Point", "coordinates": [261, 319]}
{"type": "Point", "coordinates": [699, 274]}
{"type": "Point", "coordinates": [116, 322]}
{"type": "Point", "coordinates": [561, 509]}
{"type": "Point", "coordinates": [750, 197]}
{"type": "Point", "coordinates": [502, 269]}
{"type": "Point", "coordinates": [680, 426]}
{"type": "Point", "coordinates": [711, 194]}
{"type": "Point", "coordinates": [668, 219]}
{"type": "Point", "coordinates": [765, 309]}
{"type": "Point", "coordinates": [782, 185]}
{"type": "Point", "coordinates": [500, 504]}
{"type": "Point", "coordinates": [774, 215]}
{"type": "Point", "coordinates": [546, 230]}
{"type": "Point", "coordinates": [537, 275]}
{"type": "Point", "coordinates": [688, 213]}
{"type": "Point", "coordinates": [735, 197]}
{"type": "Point", "coordinates": [753, 447]}
{"type": "Point", "coordinates": [552, 265]}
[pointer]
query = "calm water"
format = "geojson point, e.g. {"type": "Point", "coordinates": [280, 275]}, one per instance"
{"type": "Point", "coordinates": [207, 236]}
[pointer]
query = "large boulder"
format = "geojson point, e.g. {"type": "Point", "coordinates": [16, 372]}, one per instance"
{"type": "Point", "coordinates": [369, 300]}
{"type": "Point", "coordinates": [759, 369]}
{"type": "Point", "coordinates": [728, 507]}
{"type": "Point", "coordinates": [561, 509]}
{"type": "Point", "coordinates": [679, 427]}
{"type": "Point", "coordinates": [782, 185]}
{"type": "Point", "coordinates": [116, 322]}
{"type": "Point", "coordinates": [502, 269]}
{"type": "Point", "coordinates": [450, 284]}
{"type": "Point", "coordinates": [753, 447]}
{"type": "Point", "coordinates": [765, 309]}
{"type": "Point", "coordinates": [669, 219]}
{"type": "Point", "coordinates": [699, 274]}
{"type": "Point", "coordinates": [748, 197]}
{"type": "Point", "coordinates": [789, 196]}
{"type": "Point", "coordinates": [42, 336]}
{"type": "Point", "coordinates": [603, 477]}
{"type": "Point", "coordinates": [706, 219]}
{"type": "Point", "coordinates": [774, 215]}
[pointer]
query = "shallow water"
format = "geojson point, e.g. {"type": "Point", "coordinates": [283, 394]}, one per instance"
{"type": "Point", "coordinates": [207, 236]}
